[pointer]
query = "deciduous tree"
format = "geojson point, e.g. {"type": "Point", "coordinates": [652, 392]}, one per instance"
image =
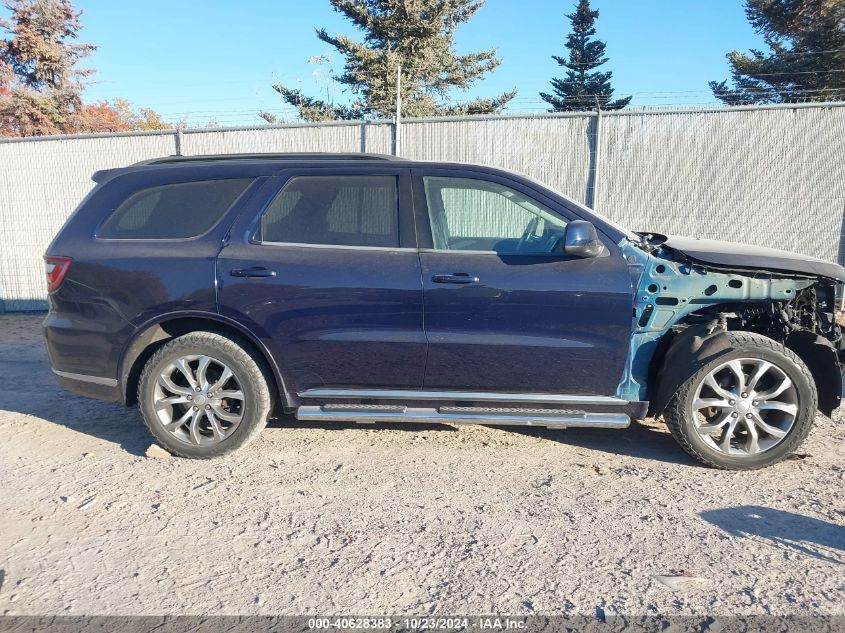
{"type": "Point", "coordinates": [41, 82]}
{"type": "Point", "coordinates": [141, 119]}
{"type": "Point", "coordinates": [98, 117]}
{"type": "Point", "coordinates": [118, 116]}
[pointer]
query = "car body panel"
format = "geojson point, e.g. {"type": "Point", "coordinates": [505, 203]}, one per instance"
{"type": "Point", "coordinates": [114, 286]}
{"type": "Point", "coordinates": [371, 319]}
{"type": "Point", "coordinates": [733, 255]}
{"type": "Point", "coordinates": [333, 316]}
{"type": "Point", "coordinates": [570, 316]}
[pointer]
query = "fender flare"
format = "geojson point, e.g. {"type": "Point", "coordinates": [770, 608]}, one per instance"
{"type": "Point", "coordinates": [821, 359]}
{"type": "Point", "coordinates": [151, 331]}
{"type": "Point", "coordinates": [695, 347]}
{"type": "Point", "coordinates": [691, 350]}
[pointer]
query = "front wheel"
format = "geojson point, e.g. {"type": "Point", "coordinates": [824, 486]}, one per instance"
{"type": "Point", "coordinates": [749, 408]}
{"type": "Point", "coordinates": [203, 395]}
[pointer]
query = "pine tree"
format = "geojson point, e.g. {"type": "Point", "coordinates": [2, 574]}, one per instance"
{"type": "Point", "coordinates": [416, 35]}
{"type": "Point", "coordinates": [40, 83]}
{"type": "Point", "coordinates": [806, 60]}
{"type": "Point", "coordinates": [583, 89]}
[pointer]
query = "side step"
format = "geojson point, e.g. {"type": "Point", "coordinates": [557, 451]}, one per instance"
{"type": "Point", "coordinates": [551, 418]}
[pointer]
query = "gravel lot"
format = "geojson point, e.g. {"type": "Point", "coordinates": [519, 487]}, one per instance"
{"type": "Point", "coordinates": [397, 520]}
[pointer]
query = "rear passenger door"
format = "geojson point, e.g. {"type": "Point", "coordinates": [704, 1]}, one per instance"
{"type": "Point", "coordinates": [324, 269]}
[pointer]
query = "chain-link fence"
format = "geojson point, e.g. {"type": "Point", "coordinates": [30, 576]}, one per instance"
{"type": "Point", "coordinates": [767, 175]}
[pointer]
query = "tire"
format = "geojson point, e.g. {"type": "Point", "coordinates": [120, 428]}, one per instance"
{"type": "Point", "coordinates": [220, 411]}
{"type": "Point", "coordinates": [702, 430]}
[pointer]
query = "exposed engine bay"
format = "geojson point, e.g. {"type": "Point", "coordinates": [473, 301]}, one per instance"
{"type": "Point", "coordinates": [681, 297]}
{"type": "Point", "coordinates": [778, 320]}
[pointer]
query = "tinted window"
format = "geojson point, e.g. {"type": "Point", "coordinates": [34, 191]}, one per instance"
{"type": "Point", "coordinates": [335, 210]}
{"type": "Point", "coordinates": [477, 215]}
{"type": "Point", "coordinates": [174, 211]}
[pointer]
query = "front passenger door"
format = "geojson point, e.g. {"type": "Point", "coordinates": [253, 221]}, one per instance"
{"type": "Point", "coordinates": [506, 310]}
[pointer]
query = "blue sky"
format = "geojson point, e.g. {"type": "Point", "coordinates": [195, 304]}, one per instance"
{"type": "Point", "coordinates": [217, 60]}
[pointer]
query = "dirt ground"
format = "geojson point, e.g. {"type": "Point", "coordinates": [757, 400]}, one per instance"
{"type": "Point", "coordinates": [398, 520]}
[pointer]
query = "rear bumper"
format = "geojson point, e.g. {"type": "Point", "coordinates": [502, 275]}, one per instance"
{"type": "Point", "coordinates": [89, 386]}
{"type": "Point", "coordinates": [80, 359]}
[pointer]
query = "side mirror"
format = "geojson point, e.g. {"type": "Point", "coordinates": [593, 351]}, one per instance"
{"type": "Point", "coordinates": [582, 240]}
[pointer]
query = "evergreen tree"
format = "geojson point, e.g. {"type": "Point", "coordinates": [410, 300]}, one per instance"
{"type": "Point", "coordinates": [416, 35]}
{"type": "Point", "coordinates": [583, 89]}
{"type": "Point", "coordinates": [806, 60]}
{"type": "Point", "coordinates": [40, 83]}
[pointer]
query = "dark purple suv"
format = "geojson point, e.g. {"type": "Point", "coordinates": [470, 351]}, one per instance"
{"type": "Point", "coordinates": [217, 291]}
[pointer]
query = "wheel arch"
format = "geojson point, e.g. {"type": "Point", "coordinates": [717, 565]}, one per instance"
{"type": "Point", "coordinates": [681, 355]}
{"type": "Point", "coordinates": [823, 362]}
{"type": "Point", "coordinates": [153, 334]}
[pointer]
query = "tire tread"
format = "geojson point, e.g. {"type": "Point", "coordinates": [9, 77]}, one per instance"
{"type": "Point", "coordinates": [674, 415]}
{"type": "Point", "coordinates": [252, 364]}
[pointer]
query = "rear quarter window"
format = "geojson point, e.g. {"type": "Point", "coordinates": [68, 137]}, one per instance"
{"type": "Point", "coordinates": [173, 211]}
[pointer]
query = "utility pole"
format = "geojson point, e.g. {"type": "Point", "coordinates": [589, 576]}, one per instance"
{"type": "Point", "coordinates": [398, 123]}
{"type": "Point", "coordinates": [594, 202]}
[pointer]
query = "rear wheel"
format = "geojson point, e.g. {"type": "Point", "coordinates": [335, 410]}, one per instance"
{"type": "Point", "coordinates": [203, 395]}
{"type": "Point", "coordinates": [747, 409]}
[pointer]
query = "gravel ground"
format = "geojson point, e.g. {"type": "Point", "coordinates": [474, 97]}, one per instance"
{"type": "Point", "coordinates": [398, 520]}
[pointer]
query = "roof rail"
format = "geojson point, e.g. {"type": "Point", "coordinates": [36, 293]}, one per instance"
{"type": "Point", "coordinates": [300, 156]}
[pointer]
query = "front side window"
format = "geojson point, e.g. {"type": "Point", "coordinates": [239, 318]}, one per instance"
{"type": "Point", "coordinates": [476, 215]}
{"type": "Point", "coordinates": [334, 210]}
{"type": "Point", "coordinates": [175, 211]}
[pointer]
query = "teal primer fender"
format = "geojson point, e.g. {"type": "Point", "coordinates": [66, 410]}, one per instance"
{"type": "Point", "coordinates": [668, 291]}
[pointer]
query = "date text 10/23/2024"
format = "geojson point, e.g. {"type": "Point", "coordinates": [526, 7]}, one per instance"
{"type": "Point", "coordinates": [482, 623]}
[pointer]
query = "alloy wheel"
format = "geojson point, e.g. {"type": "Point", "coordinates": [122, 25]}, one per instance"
{"type": "Point", "coordinates": [745, 406]}
{"type": "Point", "coordinates": [198, 400]}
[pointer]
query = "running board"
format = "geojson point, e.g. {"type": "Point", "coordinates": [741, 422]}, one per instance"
{"type": "Point", "coordinates": [551, 418]}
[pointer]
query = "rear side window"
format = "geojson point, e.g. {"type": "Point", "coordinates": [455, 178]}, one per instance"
{"type": "Point", "coordinates": [334, 210]}
{"type": "Point", "coordinates": [174, 211]}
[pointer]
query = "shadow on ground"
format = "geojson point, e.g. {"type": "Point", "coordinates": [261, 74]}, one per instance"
{"type": "Point", "coordinates": [637, 441]}
{"type": "Point", "coordinates": [640, 440]}
{"type": "Point", "coordinates": [110, 422]}
{"type": "Point", "coordinates": [785, 530]}
{"type": "Point", "coordinates": [124, 426]}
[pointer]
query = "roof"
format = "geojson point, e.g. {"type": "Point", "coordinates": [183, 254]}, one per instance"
{"type": "Point", "coordinates": [246, 164]}
{"type": "Point", "coordinates": [292, 156]}
{"type": "Point", "coordinates": [253, 165]}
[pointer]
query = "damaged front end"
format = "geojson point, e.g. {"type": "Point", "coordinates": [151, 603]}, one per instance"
{"type": "Point", "coordinates": [683, 304]}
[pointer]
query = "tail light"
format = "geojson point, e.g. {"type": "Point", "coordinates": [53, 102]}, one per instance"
{"type": "Point", "coordinates": [56, 269]}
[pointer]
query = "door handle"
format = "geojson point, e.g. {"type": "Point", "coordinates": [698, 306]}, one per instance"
{"type": "Point", "coordinates": [253, 272]}
{"type": "Point", "coordinates": [455, 278]}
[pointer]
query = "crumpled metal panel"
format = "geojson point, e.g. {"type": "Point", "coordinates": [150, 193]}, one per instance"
{"type": "Point", "coordinates": [668, 291]}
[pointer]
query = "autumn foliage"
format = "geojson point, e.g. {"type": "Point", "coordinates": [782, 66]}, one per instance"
{"type": "Point", "coordinates": [41, 82]}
